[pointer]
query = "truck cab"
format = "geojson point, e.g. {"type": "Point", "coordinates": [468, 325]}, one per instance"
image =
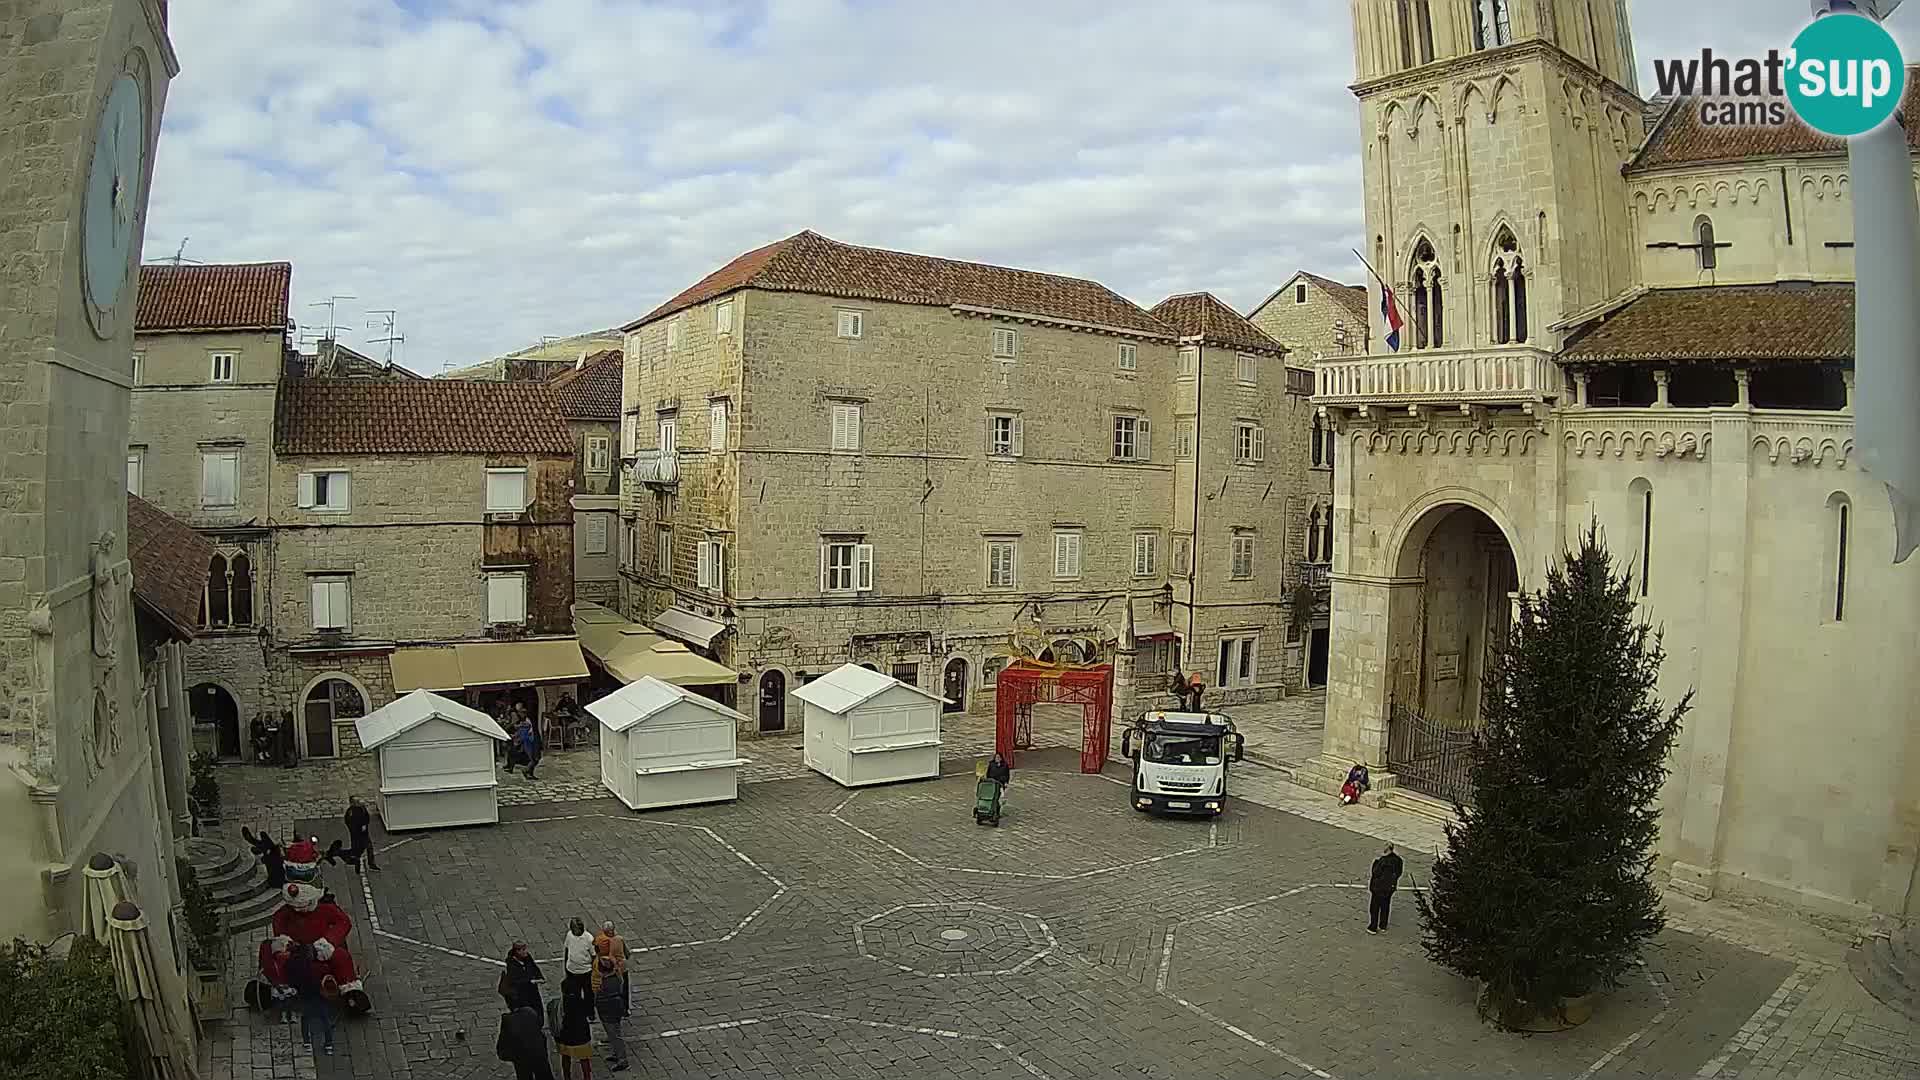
{"type": "Point", "coordinates": [1180, 761]}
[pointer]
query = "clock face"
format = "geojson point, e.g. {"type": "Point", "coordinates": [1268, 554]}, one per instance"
{"type": "Point", "coordinates": [112, 200]}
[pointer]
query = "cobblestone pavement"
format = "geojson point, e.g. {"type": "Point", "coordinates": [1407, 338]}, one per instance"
{"type": "Point", "coordinates": [806, 930]}
{"type": "Point", "coordinates": [1286, 732]}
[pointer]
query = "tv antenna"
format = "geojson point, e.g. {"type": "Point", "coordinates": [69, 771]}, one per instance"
{"type": "Point", "coordinates": [384, 320]}
{"type": "Point", "coordinates": [180, 253]}
{"type": "Point", "coordinates": [332, 332]}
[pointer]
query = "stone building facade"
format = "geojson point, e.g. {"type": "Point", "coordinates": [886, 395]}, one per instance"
{"type": "Point", "coordinates": [589, 398]}
{"type": "Point", "coordinates": [82, 88]}
{"type": "Point", "coordinates": [841, 454]}
{"type": "Point", "coordinates": [1663, 349]}
{"type": "Point", "coordinates": [1240, 504]}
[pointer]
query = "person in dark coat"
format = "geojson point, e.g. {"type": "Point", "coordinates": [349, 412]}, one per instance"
{"type": "Point", "coordinates": [360, 834]}
{"type": "Point", "coordinates": [304, 972]}
{"type": "Point", "coordinates": [610, 1004]}
{"type": "Point", "coordinates": [528, 736]}
{"type": "Point", "coordinates": [999, 771]}
{"type": "Point", "coordinates": [520, 983]}
{"type": "Point", "coordinates": [1385, 878]}
{"type": "Point", "coordinates": [523, 1044]}
{"type": "Point", "coordinates": [573, 1036]}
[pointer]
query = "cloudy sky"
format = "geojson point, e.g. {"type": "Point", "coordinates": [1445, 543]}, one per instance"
{"type": "Point", "coordinates": [502, 170]}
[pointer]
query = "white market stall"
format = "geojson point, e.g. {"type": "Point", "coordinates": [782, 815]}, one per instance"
{"type": "Point", "coordinates": [664, 745]}
{"type": "Point", "coordinates": [436, 762]}
{"type": "Point", "coordinates": [863, 727]}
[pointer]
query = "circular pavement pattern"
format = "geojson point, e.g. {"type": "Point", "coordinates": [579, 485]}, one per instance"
{"type": "Point", "coordinates": [947, 941]}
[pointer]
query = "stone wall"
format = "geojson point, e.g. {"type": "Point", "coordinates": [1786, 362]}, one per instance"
{"type": "Point", "coordinates": [1315, 328]}
{"type": "Point", "coordinates": [178, 414]}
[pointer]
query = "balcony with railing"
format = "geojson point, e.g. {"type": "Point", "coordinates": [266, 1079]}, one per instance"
{"type": "Point", "coordinates": [1313, 575]}
{"type": "Point", "coordinates": [1507, 375]}
{"type": "Point", "coordinates": [656, 467]}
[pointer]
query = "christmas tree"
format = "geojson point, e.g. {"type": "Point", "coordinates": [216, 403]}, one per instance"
{"type": "Point", "coordinates": [1545, 891]}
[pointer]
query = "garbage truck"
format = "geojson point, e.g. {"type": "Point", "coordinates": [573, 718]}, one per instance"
{"type": "Point", "coordinates": [1180, 761]}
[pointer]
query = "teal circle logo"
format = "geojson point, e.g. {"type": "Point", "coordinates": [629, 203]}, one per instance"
{"type": "Point", "coordinates": [1846, 75]}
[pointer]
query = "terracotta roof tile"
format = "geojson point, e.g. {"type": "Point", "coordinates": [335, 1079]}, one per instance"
{"type": "Point", "coordinates": [1724, 322]}
{"type": "Point", "coordinates": [217, 296]}
{"type": "Point", "coordinates": [169, 565]}
{"type": "Point", "coordinates": [425, 416]}
{"type": "Point", "coordinates": [591, 391]}
{"type": "Point", "coordinates": [810, 263]}
{"type": "Point", "coordinates": [1205, 316]}
{"type": "Point", "coordinates": [1681, 139]}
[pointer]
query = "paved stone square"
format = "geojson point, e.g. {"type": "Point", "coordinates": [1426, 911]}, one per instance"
{"type": "Point", "coordinates": [807, 930]}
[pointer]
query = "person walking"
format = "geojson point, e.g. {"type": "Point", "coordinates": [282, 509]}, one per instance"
{"type": "Point", "coordinates": [610, 944]}
{"type": "Point", "coordinates": [577, 956]}
{"type": "Point", "coordinates": [1385, 878]}
{"type": "Point", "coordinates": [530, 746]}
{"type": "Point", "coordinates": [520, 981]}
{"type": "Point", "coordinates": [610, 1002]}
{"type": "Point", "coordinates": [359, 834]}
{"type": "Point", "coordinates": [573, 1035]}
{"type": "Point", "coordinates": [523, 1044]}
{"type": "Point", "coordinates": [316, 1012]}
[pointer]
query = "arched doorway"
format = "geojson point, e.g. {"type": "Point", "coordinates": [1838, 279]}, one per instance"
{"type": "Point", "coordinates": [773, 701]}
{"type": "Point", "coordinates": [954, 686]}
{"type": "Point", "coordinates": [216, 720]}
{"type": "Point", "coordinates": [330, 701]}
{"type": "Point", "coordinates": [1442, 637]}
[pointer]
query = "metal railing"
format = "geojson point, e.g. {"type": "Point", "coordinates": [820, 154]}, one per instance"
{"type": "Point", "coordinates": [1314, 575]}
{"type": "Point", "coordinates": [1430, 757]}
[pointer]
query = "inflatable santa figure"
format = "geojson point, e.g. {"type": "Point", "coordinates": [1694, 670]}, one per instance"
{"type": "Point", "coordinates": [312, 917]}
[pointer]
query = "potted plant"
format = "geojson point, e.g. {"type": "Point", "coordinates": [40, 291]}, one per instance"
{"type": "Point", "coordinates": [203, 789]}
{"type": "Point", "coordinates": [206, 942]}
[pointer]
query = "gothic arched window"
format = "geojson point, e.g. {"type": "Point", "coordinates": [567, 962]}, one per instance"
{"type": "Point", "coordinates": [1313, 535]}
{"type": "Point", "coordinates": [1709, 254]}
{"type": "Point", "coordinates": [1316, 441]}
{"type": "Point", "coordinates": [1429, 306]}
{"type": "Point", "coordinates": [1492, 25]}
{"type": "Point", "coordinates": [1509, 286]}
{"type": "Point", "coordinates": [228, 598]}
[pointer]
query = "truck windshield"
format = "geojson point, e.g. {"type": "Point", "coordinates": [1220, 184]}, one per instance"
{"type": "Point", "coordinates": [1183, 749]}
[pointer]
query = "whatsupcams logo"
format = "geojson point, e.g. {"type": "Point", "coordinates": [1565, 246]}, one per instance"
{"type": "Point", "coordinates": [1843, 76]}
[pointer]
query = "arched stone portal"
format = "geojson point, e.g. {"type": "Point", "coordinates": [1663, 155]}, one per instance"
{"type": "Point", "coordinates": [1417, 635]}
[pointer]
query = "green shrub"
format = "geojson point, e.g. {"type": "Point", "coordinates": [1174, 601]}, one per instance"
{"type": "Point", "coordinates": [60, 1019]}
{"type": "Point", "coordinates": [206, 935]}
{"type": "Point", "coordinates": [203, 789]}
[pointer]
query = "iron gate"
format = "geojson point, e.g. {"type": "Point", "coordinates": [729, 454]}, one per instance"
{"type": "Point", "coordinates": [1430, 757]}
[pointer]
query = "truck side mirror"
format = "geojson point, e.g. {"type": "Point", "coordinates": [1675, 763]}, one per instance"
{"type": "Point", "coordinates": [1239, 747]}
{"type": "Point", "coordinates": [1126, 743]}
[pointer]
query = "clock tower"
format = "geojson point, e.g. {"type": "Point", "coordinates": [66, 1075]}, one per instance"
{"type": "Point", "coordinates": [81, 88]}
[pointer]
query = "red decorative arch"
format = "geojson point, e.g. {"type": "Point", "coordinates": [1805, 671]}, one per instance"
{"type": "Point", "coordinates": [1023, 684]}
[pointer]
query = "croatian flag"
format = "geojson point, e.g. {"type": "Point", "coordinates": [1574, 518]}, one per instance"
{"type": "Point", "coordinates": [1390, 311]}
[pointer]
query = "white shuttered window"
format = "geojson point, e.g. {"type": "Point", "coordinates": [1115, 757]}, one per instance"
{"type": "Point", "coordinates": [506, 598]}
{"type": "Point", "coordinates": [1066, 556]}
{"type": "Point", "coordinates": [846, 427]}
{"type": "Point", "coordinates": [332, 600]}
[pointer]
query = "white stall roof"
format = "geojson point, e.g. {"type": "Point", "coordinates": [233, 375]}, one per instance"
{"type": "Point", "coordinates": [646, 697]}
{"type": "Point", "coordinates": [849, 686]}
{"type": "Point", "coordinates": [396, 718]}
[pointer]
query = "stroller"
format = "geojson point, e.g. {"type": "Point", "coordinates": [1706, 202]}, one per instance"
{"type": "Point", "coordinates": [986, 802]}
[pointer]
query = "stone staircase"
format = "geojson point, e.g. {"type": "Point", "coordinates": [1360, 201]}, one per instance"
{"type": "Point", "coordinates": [236, 879]}
{"type": "Point", "coordinates": [1887, 963]}
{"type": "Point", "coordinates": [1414, 804]}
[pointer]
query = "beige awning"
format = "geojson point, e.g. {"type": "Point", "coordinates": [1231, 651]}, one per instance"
{"type": "Point", "coordinates": [444, 668]}
{"type": "Point", "coordinates": [1147, 629]}
{"type": "Point", "coordinates": [689, 626]}
{"type": "Point", "coordinates": [513, 663]}
{"type": "Point", "coordinates": [428, 667]}
{"type": "Point", "coordinates": [629, 651]}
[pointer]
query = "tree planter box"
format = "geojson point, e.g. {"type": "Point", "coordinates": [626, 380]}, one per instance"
{"type": "Point", "coordinates": [209, 993]}
{"type": "Point", "coordinates": [1574, 1012]}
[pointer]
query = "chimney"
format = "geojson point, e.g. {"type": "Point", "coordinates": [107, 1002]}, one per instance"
{"type": "Point", "coordinates": [580, 361]}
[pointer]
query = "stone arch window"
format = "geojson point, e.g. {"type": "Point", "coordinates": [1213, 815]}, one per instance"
{"type": "Point", "coordinates": [1839, 545]}
{"type": "Point", "coordinates": [227, 600]}
{"type": "Point", "coordinates": [1318, 427]}
{"type": "Point", "coordinates": [1429, 305]}
{"type": "Point", "coordinates": [1703, 236]}
{"type": "Point", "coordinates": [1416, 33]}
{"type": "Point", "coordinates": [1313, 535]}
{"type": "Point", "coordinates": [1326, 535]}
{"type": "Point", "coordinates": [1642, 496]}
{"type": "Point", "coordinates": [1509, 285]}
{"type": "Point", "coordinates": [1492, 24]}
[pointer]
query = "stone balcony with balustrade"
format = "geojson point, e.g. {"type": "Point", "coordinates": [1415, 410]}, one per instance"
{"type": "Point", "coordinates": [1506, 376]}
{"type": "Point", "coordinates": [656, 467]}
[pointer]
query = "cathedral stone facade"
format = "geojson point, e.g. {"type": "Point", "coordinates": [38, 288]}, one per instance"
{"type": "Point", "coordinates": [1622, 316]}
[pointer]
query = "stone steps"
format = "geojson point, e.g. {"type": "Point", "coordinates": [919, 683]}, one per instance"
{"type": "Point", "coordinates": [1414, 804]}
{"type": "Point", "coordinates": [237, 881]}
{"type": "Point", "coordinates": [1888, 966]}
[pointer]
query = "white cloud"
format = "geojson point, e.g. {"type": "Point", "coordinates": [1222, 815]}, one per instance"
{"type": "Point", "coordinates": [500, 170]}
